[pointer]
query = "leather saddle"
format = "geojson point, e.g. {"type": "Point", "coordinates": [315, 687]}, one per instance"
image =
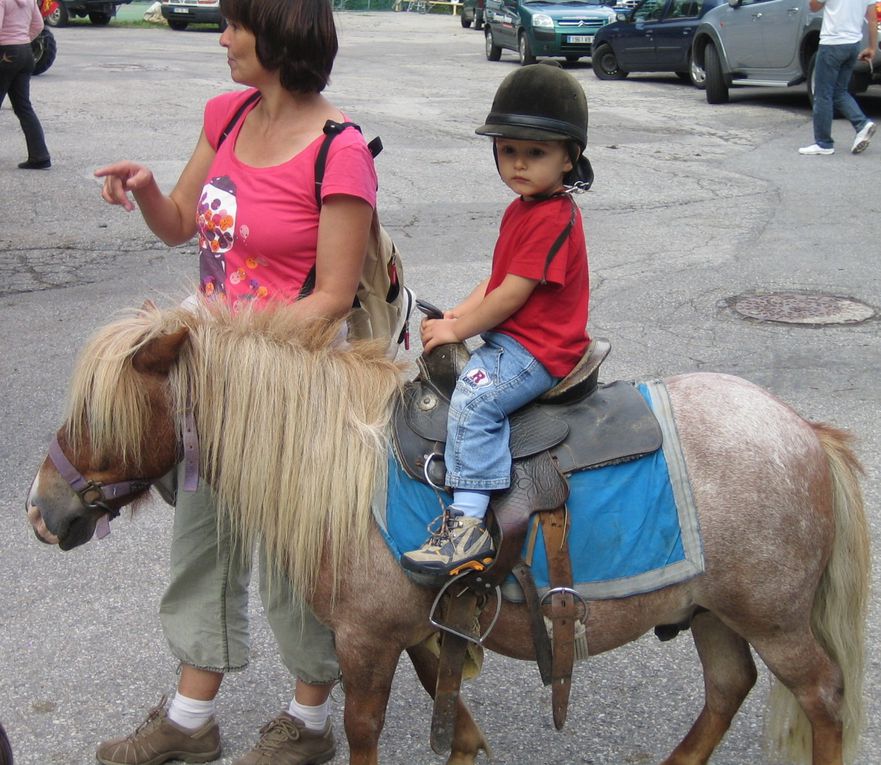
{"type": "Point", "coordinates": [582, 424]}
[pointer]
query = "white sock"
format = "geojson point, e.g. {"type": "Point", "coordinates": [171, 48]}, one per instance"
{"type": "Point", "coordinates": [189, 713]}
{"type": "Point", "coordinates": [314, 718]}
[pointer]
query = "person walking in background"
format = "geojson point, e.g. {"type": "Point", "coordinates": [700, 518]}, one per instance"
{"type": "Point", "coordinates": [841, 39]}
{"type": "Point", "coordinates": [20, 23]}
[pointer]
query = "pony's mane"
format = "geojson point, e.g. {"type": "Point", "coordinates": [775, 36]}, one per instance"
{"type": "Point", "coordinates": [107, 405]}
{"type": "Point", "coordinates": [291, 421]}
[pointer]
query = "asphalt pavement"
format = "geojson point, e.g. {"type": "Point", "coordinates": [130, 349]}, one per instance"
{"type": "Point", "coordinates": [694, 206]}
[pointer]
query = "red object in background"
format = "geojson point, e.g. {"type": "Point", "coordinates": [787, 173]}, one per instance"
{"type": "Point", "coordinates": [47, 7]}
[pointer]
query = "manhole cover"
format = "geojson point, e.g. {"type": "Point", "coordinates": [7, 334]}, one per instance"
{"type": "Point", "coordinates": [802, 308]}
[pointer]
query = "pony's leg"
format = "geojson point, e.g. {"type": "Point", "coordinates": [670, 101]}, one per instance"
{"type": "Point", "coordinates": [367, 671]}
{"type": "Point", "coordinates": [468, 739]}
{"type": "Point", "coordinates": [729, 674]}
{"type": "Point", "coordinates": [816, 681]}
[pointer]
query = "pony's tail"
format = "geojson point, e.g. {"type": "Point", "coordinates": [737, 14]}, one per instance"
{"type": "Point", "coordinates": [839, 614]}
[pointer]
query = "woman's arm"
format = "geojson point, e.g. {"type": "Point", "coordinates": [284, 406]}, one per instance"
{"type": "Point", "coordinates": [36, 25]}
{"type": "Point", "coordinates": [172, 218]}
{"type": "Point", "coordinates": [497, 306]}
{"type": "Point", "coordinates": [343, 231]}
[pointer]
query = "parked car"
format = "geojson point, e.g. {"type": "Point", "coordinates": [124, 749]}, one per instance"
{"type": "Point", "coordinates": [181, 13]}
{"type": "Point", "coordinates": [532, 28]}
{"type": "Point", "coordinates": [765, 43]}
{"type": "Point", "coordinates": [654, 37]}
{"type": "Point", "coordinates": [473, 13]}
{"type": "Point", "coordinates": [99, 11]}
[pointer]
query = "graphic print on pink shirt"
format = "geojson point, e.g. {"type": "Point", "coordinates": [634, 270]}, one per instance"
{"type": "Point", "coordinates": [217, 224]}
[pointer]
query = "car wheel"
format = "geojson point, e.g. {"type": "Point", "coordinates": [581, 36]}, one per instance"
{"type": "Point", "coordinates": [44, 48]}
{"type": "Point", "coordinates": [809, 79]}
{"type": "Point", "coordinates": [696, 73]}
{"type": "Point", "coordinates": [466, 21]}
{"type": "Point", "coordinates": [177, 26]}
{"type": "Point", "coordinates": [478, 19]}
{"type": "Point", "coordinates": [99, 19]}
{"type": "Point", "coordinates": [717, 88]}
{"type": "Point", "coordinates": [525, 50]}
{"type": "Point", "coordinates": [5, 748]}
{"type": "Point", "coordinates": [493, 51]}
{"type": "Point", "coordinates": [59, 17]}
{"type": "Point", "coordinates": [605, 64]}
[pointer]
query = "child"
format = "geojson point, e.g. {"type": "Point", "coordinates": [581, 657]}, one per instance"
{"type": "Point", "coordinates": [532, 311]}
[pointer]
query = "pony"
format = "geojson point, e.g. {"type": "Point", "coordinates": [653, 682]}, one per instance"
{"type": "Point", "coordinates": [293, 429]}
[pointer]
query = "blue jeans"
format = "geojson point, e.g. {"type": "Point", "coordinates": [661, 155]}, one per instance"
{"type": "Point", "coordinates": [16, 67]}
{"type": "Point", "coordinates": [501, 376]}
{"type": "Point", "coordinates": [832, 73]}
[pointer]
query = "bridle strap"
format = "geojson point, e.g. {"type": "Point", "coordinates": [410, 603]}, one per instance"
{"type": "Point", "coordinates": [93, 494]}
{"type": "Point", "coordinates": [190, 439]}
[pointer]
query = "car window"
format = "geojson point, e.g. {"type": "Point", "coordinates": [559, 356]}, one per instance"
{"type": "Point", "coordinates": [684, 9]}
{"type": "Point", "coordinates": [649, 10]}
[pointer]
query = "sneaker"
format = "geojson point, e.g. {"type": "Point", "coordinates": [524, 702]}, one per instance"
{"type": "Point", "coordinates": [861, 142]}
{"type": "Point", "coordinates": [462, 542]}
{"type": "Point", "coordinates": [287, 741]}
{"type": "Point", "coordinates": [815, 149]}
{"type": "Point", "coordinates": [158, 739]}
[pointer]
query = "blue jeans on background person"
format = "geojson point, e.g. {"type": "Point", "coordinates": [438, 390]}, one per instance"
{"type": "Point", "coordinates": [832, 72]}
{"type": "Point", "coordinates": [16, 67]}
{"type": "Point", "coordinates": [500, 377]}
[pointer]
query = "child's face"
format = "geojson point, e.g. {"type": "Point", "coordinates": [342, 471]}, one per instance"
{"type": "Point", "coordinates": [533, 168]}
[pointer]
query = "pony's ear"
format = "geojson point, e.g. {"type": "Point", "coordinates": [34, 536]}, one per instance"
{"type": "Point", "coordinates": [157, 356]}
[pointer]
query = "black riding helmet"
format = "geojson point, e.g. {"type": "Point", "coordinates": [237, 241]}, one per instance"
{"type": "Point", "coordinates": [542, 102]}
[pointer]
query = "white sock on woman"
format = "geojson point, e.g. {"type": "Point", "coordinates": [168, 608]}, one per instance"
{"type": "Point", "coordinates": [314, 718]}
{"type": "Point", "coordinates": [189, 713]}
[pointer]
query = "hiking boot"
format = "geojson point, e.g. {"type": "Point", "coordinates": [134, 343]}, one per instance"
{"type": "Point", "coordinates": [861, 142]}
{"type": "Point", "coordinates": [158, 739]}
{"type": "Point", "coordinates": [287, 741]}
{"type": "Point", "coordinates": [462, 542]}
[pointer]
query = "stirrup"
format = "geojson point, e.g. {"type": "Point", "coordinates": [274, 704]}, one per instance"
{"type": "Point", "coordinates": [483, 589]}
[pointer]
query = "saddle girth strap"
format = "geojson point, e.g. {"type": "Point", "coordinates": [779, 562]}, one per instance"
{"type": "Point", "coordinates": [544, 655]}
{"type": "Point", "coordinates": [563, 609]}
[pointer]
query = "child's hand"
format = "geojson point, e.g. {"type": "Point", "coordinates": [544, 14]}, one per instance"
{"type": "Point", "coordinates": [437, 332]}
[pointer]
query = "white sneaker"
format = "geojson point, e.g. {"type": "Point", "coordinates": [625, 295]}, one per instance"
{"type": "Point", "coordinates": [861, 142]}
{"type": "Point", "coordinates": [815, 149]}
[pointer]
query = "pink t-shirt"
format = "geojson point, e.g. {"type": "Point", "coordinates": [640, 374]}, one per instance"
{"type": "Point", "coordinates": [20, 21]}
{"type": "Point", "coordinates": [258, 226]}
{"type": "Point", "coordinates": [552, 323]}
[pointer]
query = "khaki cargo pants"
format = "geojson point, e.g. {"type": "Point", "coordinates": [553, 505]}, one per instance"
{"type": "Point", "coordinates": [204, 610]}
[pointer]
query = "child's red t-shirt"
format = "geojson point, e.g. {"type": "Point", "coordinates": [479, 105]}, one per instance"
{"type": "Point", "coordinates": [552, 323]}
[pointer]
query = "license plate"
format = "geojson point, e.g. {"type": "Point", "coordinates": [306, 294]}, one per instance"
{"type": "Point", "coordinates": [181, 10]}
{"type": "Point", "coordinates": [580, 39]}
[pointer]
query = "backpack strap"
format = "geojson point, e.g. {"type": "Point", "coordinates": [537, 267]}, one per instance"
{"type": "Point", "coordinates": [331, 130]}
{"type": "Point", "coordinates": [253, 98]}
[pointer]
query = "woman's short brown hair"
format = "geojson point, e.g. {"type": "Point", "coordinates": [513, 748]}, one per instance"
{"type": "Point", "coordinates": [297, 38]}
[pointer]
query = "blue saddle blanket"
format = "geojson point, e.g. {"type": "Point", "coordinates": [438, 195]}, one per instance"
{"type": "Point", "coordinates": [634, 527]}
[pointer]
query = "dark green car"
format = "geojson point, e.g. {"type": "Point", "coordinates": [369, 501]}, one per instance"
{"type": "Point", "coordinates": [532, 28]}
{"type": "Point", "coordinates": [473, 13]}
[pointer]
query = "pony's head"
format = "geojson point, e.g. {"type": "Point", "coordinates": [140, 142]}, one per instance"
{"type": "Point", "coordinates": [291, 424]}
{"type": "Point", "coordinates": [119, 429]}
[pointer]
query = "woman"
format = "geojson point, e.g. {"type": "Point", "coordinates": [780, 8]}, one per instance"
{"type": "Point", "coordinates": [21, 22]}
{"type": "Point", "coordinates": [251, 198]}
